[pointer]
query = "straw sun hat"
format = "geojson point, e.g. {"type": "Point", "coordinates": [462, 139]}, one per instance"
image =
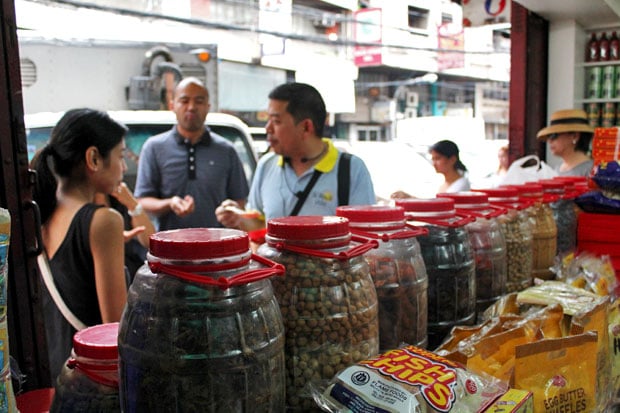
{"type": "Point", "coordinates": [567, 120]}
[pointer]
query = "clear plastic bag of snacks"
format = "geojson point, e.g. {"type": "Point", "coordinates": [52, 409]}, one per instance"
{"type": "Point", "coordinates": [588, 271]}
{"type": "Point", "coordinates": [407, 380]}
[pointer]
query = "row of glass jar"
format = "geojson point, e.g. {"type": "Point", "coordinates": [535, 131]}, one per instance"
{"type": "Point", "coordinates": [204, 330]}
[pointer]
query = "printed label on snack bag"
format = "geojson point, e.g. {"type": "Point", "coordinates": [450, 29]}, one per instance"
{"type": "Point", "coordinates": [371, 393]}
{"type": "Point", "coordinates": [435, 376]}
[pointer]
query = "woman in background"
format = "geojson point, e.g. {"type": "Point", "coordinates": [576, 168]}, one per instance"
{"type": "Point", "coordinates": [83, 240]}
{"type": "Point", "coordinates": [568, 136]}
{"type": "Point", "coordinates": [445, 158]}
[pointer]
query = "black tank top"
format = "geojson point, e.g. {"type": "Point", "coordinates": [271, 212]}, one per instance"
{"type": "Point", "coordinates": [74, 275]}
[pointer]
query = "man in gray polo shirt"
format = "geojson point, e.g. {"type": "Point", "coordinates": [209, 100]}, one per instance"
{"type": "Point", "coordinates": [185, 173]}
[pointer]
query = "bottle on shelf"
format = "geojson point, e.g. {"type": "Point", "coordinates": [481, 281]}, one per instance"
{"type": "Point", "coordinates": [614, 47]}
{"type": "Point", "coordinates": [603, 47]}
{"type": "Point", "coordinates": [592, 49]}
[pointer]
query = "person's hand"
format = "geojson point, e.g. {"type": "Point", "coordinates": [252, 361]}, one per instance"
{"type": "Point", "coordinates": [124, 196]}
{"type": "Point", "coordinates": [182, 206]}
{"type": "Point", "coordinates": [400, 195]}
{"type": "Point", "coordinates": [129, 234]}
{"type": "Point", "coordinates": [229, 214]}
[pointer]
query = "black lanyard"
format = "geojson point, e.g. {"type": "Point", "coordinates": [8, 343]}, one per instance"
{"type": "Point", "coordinates": [301, 197]}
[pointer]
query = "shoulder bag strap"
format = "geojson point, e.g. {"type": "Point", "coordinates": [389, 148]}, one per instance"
{"type": "Point", "coordinates": [46, 274]}
{"type": "Point", "coordinates": [344, 178]}
{"type": "Point", "coordinates": [301, 197]}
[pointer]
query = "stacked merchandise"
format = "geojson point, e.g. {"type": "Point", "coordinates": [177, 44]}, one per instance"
{"type": "Point", "coordinates": [598, 226]}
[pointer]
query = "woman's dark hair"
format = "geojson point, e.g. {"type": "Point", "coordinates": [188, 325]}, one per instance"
{"type": "Point", "coordinates": [583, 142]}
{"type": "Point", "coordinates": [304, 102]}
{"type": "Point", "coordinates": [76, 131]}
{"type": "Point", "coordinates": [449, 149]}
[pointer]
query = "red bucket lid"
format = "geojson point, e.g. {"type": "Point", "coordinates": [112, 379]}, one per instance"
{"type": "Point", "coordinates": [501, 194]}
{"type": "Point", "coordinates": [97, 342]}
{"type": "Point", "coordinates": [371, 213]}
{"type": "Point", "coordinates": [426, 204]}
{"type": "Point", "coordinates": [552, 185]}
{"type": "Point", "coordinates": [467, 200]}
{"type": "Point", "coordinates": [199, 243]}
{"type": "Point", "coordinates": [308, 227]}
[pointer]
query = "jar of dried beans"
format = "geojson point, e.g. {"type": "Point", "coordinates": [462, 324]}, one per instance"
{"type": "Point", "coordinates": [487, 240]}
{"type": "Point", "coordinates": [561, 197]}
{"type": "Point", "coordinates": [88, 382]}
{"type": "Point", "coordinates": [202, 330]}
{"type": "Point", "coordinates": [327, 298]}
{"type": "Point", "coordinates": [398, 270]}
{"type": "Point", "coordinates": [449, 260]}
{"type": "Point", "coordinates": [517, 230]}
{"type": "Point", "coordinates": [544, 229]}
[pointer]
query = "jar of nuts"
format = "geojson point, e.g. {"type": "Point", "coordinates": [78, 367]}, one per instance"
{"type": "Point", "coordinates": [327, 299]}
{"type": "Point", "coordinates": [517, 229]}
{"type": "Point", "coordinates": [563, 208]}
{"type": "Point", "coordinates": [544, 229]}
{"type": "Point", "coordinates": [398, 271]}
{"type": "Point", "coordinates": [450, 265]}
{"type": "Point", "coordinates": [88, 382]}
{"type": "Point", "coordinates": [202, 330]}
{"type": "Point", "coordinates": [487, 240]}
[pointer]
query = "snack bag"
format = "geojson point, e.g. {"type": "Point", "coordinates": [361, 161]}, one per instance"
{"type": "Point", "coordinates": [407, 380]}
{"type": "Point", "coordinates": [560, 372]}
{"type": "Point", "coordinates": [596, 319]}
{"type": "Point", "coordinates": [614, 348]}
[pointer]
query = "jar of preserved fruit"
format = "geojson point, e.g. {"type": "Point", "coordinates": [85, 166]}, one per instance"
{"type": "Point", "coordinates": [487, 240]}
{"type": "Point", "coordinates": [88, 382]}
{"type": "Point", "coordinates": [398, 271]}
{"type": "Point", "coordinates": [544, 229]}
{"type": "Point", "coordinates": [517, 229]}
{"type": "Point", "coordinates": [327, 299]}
{"type": "Point", "coordinates": [562, 205]}
{"type": "Point", "coordinates": [202, 330]}
{"type": "Point", "coordinates": [449, 260]}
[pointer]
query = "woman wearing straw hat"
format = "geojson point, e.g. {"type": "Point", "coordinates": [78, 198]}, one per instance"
{"type": "Point", "coordinates": [569, 135]}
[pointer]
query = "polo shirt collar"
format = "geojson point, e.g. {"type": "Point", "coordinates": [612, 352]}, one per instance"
{"type": "Point", "coordinates": [327, 162]}
{"type": "Point", "coordinates": [205, 139]}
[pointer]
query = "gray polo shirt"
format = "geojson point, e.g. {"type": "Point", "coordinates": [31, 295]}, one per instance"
{"type": "Point", "coordinates": [210, 171]}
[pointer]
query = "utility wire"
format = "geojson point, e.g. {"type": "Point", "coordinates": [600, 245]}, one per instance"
{"type": "Point", "coordinates": [236, 27]}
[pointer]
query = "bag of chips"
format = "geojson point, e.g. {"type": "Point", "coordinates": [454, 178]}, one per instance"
{"type": "Point", "coordinates": [407, 380]}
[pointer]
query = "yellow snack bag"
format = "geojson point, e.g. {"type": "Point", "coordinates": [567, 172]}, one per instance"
{"type": "Point", "coordinates": [614, 347]}
{"type": "Point", "coordinates": [596, 319]}
{"type": "Point", "coordinates": [560, 372]}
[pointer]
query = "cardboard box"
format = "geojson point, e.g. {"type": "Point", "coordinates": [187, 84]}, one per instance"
{"type": "Point", "coordinates": [513, 401]}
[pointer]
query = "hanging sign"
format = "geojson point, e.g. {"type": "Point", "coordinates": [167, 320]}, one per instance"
{"type": "Point", "coordinates": [481, 12]}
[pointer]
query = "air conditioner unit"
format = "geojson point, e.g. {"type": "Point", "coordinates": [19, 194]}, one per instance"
{"type": "Point", "coordinates": [411, 113]}
{"type": "Point", "coordinates": [325, 20]}
{"type": "Point", "coordinates": [412, 99]}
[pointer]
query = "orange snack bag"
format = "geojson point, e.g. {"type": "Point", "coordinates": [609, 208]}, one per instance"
{"type": "Point", "coordinates": [560, 372]}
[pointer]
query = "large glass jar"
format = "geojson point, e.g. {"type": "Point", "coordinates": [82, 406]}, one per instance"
{"type": "Point", "coordinates": [327, 298]}
{"type": "Point", "coordinates": [487, 240]}
{"type": "Point", "coordinates": [397, 268]}
{"type": "Point", "coordinates": [517, 229]}
{"type": "Point", "coordinates": [544, 230]}
{"type": "Point", "coordinates": [88, 382]}
{"type": "Point", "coordinates": [202, 330]}
{"type": "Point", "coordinates": [563, 208]}
{"type": "Point", "coordinates": [449, 260]}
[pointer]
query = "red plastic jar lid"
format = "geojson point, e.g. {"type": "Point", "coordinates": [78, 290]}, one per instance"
{"type": "Point", "coordinates": [97, 342]}
{"type": "Point", "coordinates": [309, 227]}
{"type": "Point", "coordinates": [433, 207]}
{"type": "Point", "coordinates": [553, 186]}
{"type": "Point", "coordinates": [198, 243]}
{"type": "Point", "coordinates": [371, 213]}
{"type": "Point", "coordinates": [502, 194]}
{"type": "Point", "coordinates": [530, 190]}
{"type": "Point", "coordinates": [467, 199]}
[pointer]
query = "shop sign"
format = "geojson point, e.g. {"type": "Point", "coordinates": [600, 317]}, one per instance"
{"type": "Point", "coordinates": [481, 12]}
{"type": "Point", "coordinates": [367, 30]}
{"type": "Point", "coordinates": [451, 46]}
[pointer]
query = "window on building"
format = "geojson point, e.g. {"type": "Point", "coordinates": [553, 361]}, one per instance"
{"type": "Point", "coordinates": [418, 18]}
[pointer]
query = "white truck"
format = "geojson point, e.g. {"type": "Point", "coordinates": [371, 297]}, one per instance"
{"type": "Point", "coordinates": [59, 74]}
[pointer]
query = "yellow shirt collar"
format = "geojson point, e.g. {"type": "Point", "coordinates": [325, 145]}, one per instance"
{"type": "Point", "coordinates": [327, 163]}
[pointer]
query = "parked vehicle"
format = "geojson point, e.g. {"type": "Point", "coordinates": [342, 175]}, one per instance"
{"type": "Point", "coordinates": [144, 123]}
